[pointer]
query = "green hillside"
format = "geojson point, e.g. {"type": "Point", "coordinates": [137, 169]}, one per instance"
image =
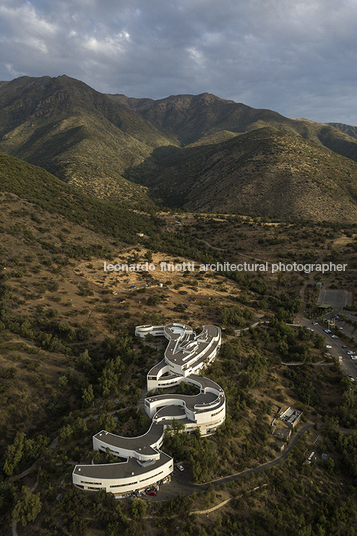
{"type": "Point", "coordinates": [190, 151]}
{"type": "Point", "coordinates": [37, 186]}
{"type": "Point", "coordinates": [76, 133]}
{"type": "Point", "coordinates": [188, 118]}
{"type": "Point", "coordinates": [347, 129]}
{"type": "Point", "coordinates": [266, 171]}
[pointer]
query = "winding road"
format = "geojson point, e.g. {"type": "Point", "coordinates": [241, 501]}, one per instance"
{"type": "Point", "coordinates": [181, 484]}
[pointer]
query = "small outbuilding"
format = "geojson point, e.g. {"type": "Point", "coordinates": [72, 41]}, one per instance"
{"type": "Point", "coordinates": [291, 417]}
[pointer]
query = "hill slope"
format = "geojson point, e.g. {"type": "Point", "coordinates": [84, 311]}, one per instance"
{"type": "Point", "coordinates": [37, 186]}
{"type": "Point", "coordinates": [347, 129]}
{"type": "Point", "coordinates": [189, 118]}
{"type": "Point", "coordinates": [124, 149]}
{"type": "Point", "coordinates": [262, 172]}
{"type": "Point", "coordinates": [76, 133]}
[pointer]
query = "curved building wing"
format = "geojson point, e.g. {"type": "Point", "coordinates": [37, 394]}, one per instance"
{"type": "Point", "coordinates": [144, 464]}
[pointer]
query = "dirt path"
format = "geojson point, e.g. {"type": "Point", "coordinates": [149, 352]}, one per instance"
{"type": "Point", "coordinates": [203, 512]}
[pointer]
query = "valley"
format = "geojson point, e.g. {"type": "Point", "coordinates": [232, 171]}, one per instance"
{"type": "Point", "coordinates": [184, 182]}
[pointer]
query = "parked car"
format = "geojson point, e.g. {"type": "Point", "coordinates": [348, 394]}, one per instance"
{"type": "Point", "coordinates": [334, 337]}
{"type": "Point", "coordinates": [328, 346]}
{"type": "Point", "coordinates": [180, 468]}
{"type": "Point", "coordinates": [151, 492]}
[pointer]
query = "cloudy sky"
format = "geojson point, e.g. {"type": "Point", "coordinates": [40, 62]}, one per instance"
{"type": "Point", "coordinates": [297, 57]}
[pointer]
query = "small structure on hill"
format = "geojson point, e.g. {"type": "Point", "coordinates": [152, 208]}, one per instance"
{"type": "Point", "coordinates": [291, 417]}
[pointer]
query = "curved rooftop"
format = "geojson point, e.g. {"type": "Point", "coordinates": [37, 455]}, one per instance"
{"type": "Point", "coordinates": [144, 445]}
{"type": "Point", "coordinates": [187, 346]}
{"type": "Point", "coordinates": [143, 452]}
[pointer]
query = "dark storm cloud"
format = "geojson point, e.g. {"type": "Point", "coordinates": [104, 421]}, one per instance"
{"type": "Point", "coordinates": [295, 57]}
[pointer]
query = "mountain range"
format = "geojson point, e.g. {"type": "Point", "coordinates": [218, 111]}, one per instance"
{"type": "Point", "coordinates": [196, 152]}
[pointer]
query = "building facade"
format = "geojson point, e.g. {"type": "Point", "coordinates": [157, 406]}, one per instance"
{"type": "Point", "coordinates": [143, 462]}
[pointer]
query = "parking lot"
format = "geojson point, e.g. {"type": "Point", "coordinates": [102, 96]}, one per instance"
{"type": "Point", "coordinates": [338, 348]}
{"type": "Point", "coordinates": [338, 299]}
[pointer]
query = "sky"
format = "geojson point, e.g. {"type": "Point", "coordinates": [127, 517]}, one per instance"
{"type": "Point", "coordinates": [296, 57]}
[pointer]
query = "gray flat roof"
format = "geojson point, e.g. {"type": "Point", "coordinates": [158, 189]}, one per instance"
{"type": "Point", "coordinates": [205, 382]}
{"type": "Point", "coordinates": [171, 411]}
{"type": "Point", "coordinates": [190, 400]}
{"type": "Point", "coordinates": [182, 347]}
{"type": "Point", "coordinates": [140, 444]}
{"type": "Point", "coordinates": [156, 368]}
{"type": "Point", "coordinates": [112, 471]}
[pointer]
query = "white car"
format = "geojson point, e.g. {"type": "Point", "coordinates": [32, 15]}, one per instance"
{"type": "Point", "coordinates": [328, 346]}
{"type": "Point", "coordinates": [353, 356]}
{"type": "Point", "coordinates": [180, 468]}
{"type": "Point", "coordinates": [327, 330]}
{"type": "Point", "coordinates": [334, 337]}
{"type": "Point", "coordinates": [349, 352]}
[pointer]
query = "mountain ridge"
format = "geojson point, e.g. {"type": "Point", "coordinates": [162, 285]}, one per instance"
{"type": "Point", "coordinates": [145, 151]}
{"type": "Point", "coordinates": [74, 132]}
{"type": "Point", "coordinates": [194, 116]}
{"type": "Point", "coordinates": [263, 172]}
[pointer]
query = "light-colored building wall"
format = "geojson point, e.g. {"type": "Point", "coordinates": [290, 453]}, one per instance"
{"type": "Point", "coordinates": [121, 483]}
{"type": "Point", "coordinates": [186, 354]}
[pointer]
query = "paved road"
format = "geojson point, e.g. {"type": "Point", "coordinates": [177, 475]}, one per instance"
{"type": "Point", "coordinates": [348, 366]}
{"type": "Point", "coordinates": [181, 482]}
{"type": "Point", "coordinates": [268, 465]}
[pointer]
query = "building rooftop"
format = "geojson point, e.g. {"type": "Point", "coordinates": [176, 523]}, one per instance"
{"type": "Point", "coordinates": [171, 412]}
{"type": "Point", "coordinates": [290, 416]}
{"type": "Point", "coordinates": [140, 444]}
{"type": "Point", "coordinates": [114, 471]}
{"type": "Point", "coordinates": [186, 349]}
{"type": "Point", "coordinates": [191, 401]}
{"type": "Point", "coordinates": [185, 346]}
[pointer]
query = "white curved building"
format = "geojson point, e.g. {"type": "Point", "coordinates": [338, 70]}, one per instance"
{"type": "Point", "coordinates": [144, 464]}
{"type": "Point", "coordinates": [185, 354]}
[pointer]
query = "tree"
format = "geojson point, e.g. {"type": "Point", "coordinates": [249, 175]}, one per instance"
{"type": "Point", "coordinates": [176, 441]}
{"type": "Point", "coordinates": [87, 396]}
{"type": "Point", "coordinates": [330, 466]}
{"type": "Point", "coordinates": [148, 256]}
{"type": "Point", "coordinates": [153, 300]}
{"type": "Point", "coordinates": [319, 341]}
{"type": "Point", "coordinates": [27, 507]}
{"type": "Point", "coordinates": [65, 434]}
{"type": "Point", "coordinates": [348, 397]}
{"type": "Point", "coordinates": [84, 361]}
{"type": "Point", "coordinates": [331, 425]}
{"type": "Point", "coordinates": [62, 382]}
{"type": "Point", "coordinates": [109, 423]}
{"type": "Point", "coordinates": [14, 453]}
{"type": "Point", "coordinates": [138, 509]}
{"type": "Point", "coordinates": [80, 427]}
{"type": "Point", "coordinates": [109, 379]}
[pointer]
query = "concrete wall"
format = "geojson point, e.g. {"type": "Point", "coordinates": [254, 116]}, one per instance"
{"type": "Point", "coordinates": [124, 485]}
